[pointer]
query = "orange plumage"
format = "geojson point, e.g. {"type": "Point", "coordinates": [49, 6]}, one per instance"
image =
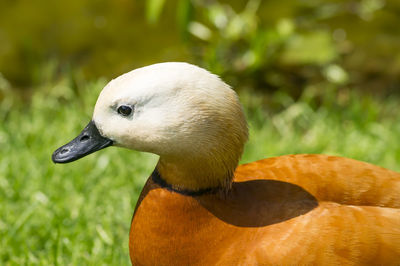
{"type": "Point", "coordinates": [288, 210]}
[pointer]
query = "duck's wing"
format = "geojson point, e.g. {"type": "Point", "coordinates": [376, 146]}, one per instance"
{"type": "Point", "coordinates": [330, 178]}
{"type": "Point", "coordinates": [356, 221]}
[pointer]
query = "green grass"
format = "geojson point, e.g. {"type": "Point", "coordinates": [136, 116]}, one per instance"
{"type": "Point", "coordinates": [80, 213]}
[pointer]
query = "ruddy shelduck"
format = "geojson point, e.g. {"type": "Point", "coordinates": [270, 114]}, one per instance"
{"type": "Point", "coordinates": [199, 208]}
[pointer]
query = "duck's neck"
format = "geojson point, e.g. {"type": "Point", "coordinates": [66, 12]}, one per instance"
{"type": "Point", "coordinates": [193, 176]}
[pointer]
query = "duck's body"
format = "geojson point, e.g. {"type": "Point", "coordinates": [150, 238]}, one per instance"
{"type": "Point", "coordinates": [288, 210]}
{"type": "Point", "coordinates": [197, 209]}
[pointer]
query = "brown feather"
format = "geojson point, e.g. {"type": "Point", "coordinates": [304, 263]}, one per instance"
{"type": "Point", "coordinates": [288, 210]}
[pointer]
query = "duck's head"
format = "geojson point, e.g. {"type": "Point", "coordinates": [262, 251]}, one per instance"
{"type": "Point", "coordinates": [183, 113]}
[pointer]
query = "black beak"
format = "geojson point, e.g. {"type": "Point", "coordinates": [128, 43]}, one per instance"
{"type": "Point", "coordinates": [86, 143]}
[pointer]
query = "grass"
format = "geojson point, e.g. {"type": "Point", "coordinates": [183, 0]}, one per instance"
{"type": "Point", "coordinates": [80, 213]}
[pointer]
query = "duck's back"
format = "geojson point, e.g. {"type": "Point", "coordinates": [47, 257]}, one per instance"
{"type": "Point", "coordinates": [330, 178]}
{"type": "Point", "coordinates": [288, 210]}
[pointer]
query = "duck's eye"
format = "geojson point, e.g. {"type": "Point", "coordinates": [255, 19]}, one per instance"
{"type": "Point", "coordinates": [124, 110]}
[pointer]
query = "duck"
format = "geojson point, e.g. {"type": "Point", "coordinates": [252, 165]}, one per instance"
{"type": "Point", "coordinates": [198, 207]}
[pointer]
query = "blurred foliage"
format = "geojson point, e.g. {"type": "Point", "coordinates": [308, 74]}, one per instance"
{"type": "Point", "coordinates": [43, 40]}
{"type": "Point", "coordinates": [268, 45]}
{"type": "Point", "coordinates": [312, 43]}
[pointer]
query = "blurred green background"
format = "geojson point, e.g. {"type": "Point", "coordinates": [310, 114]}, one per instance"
{"type": "Point", "coordinates": [314, 76]}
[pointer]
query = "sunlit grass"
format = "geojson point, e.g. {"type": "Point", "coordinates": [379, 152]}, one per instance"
{"type": "Point", "coordinates": [80, 213]}
{"type": "Point", "coordinates": [361, 128]}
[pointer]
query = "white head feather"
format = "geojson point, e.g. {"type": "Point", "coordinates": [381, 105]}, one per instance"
{"type": "Point", "coordinates": [183, 113]}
